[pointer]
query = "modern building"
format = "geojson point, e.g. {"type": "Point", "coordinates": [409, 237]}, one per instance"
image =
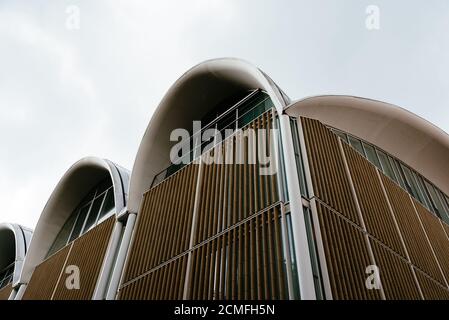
{"type": "Point", "coordinates": [14, 242]}
{"type": "Point", "coordinates": [79, 227]}
{"type": "Point", "coordinates": [329, 197]}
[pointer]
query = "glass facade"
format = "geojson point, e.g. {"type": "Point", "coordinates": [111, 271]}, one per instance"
{"type": "Point", "coordinates": [93, 209]}
{"type": "Point", "coordinates": [410, 180]}
{"type": "Point", "coordinates": [6, 275]}
{"type": "Point", "coordinates": [232, 114]}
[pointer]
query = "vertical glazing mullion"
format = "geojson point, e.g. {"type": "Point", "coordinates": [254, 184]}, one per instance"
{"type": "Point", "coordinates": [223, 266]}
{"type": "Point", "coordinates": [279, 258]}
{"type": "Point", "coordinates": [252, 242]}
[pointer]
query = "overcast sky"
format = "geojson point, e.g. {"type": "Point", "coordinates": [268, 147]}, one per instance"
{"type": "Point", "coordinates": [68, 92]}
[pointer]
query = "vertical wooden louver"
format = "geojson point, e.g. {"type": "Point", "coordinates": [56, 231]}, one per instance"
{"type": "Point", "coordinates": [245, 262]}
{"type": "Point", "coordinates": [374, 208]}
{"type": "Point", "coordinates": [347, 256]}
{"type": "Point", "coordinates": [437, 237]}
{"type": "Point", "coordinates": [237, 251]}
{"type": "Point", "coordinates": [399, 235]}
{"type": "Point", "coordinates": [413, 234]}
{"type": "Point", "coordinates": [396, 274]}
{"type": "Point", "coordinates": [164, 223]}
{"type": "Point", "coordinates": [87, 253]}
{"type": "Point", "coordinates": [5, 292]}
{"type": "Point", "coordinates": [430, 288]}
{"type": "Point", "coordinates": [46, 276]}
{"type": "Point", "coordinates": [331, 184]}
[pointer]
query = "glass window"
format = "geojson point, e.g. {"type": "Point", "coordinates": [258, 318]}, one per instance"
{"type": "Point", "coordinates": [79, 222]}
{"type": "Point", "coordinates": [398, 173]}
{"type": "Point", "coordinates": [63, 235]}
{"type": "Point", "coordinates": [423, 192]}
{"type": "Point", "coordinates": [412, 187]}
{"type": "Point", "coordinates": [436, 202]}
{"type": "Point", "coordinates": [298, 158]}
{"type": "Point", "coordinates": [444, 201]}
{"type": "Point", "coordinates": [341, 134]}
{"type": "Point", "coordinates": [93, 214]}
{"type": "Point", "coordinates": [386, 165]}
{"type": "Point", "coordinates": [98, 203]}
{"type": "Point", "coordinates": [291, 248]}
{"type": "Point", "coordinates": [371, 155]}
{"type": "Point", "coordinates": [108, 204]}
{"type": "Point", "coordinates": [356, 144]}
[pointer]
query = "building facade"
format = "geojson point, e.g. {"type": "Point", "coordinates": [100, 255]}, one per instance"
{"type": "Point", "coordinates": [239, 193]}
{"type": "Point", "coordinates": [14, 242]}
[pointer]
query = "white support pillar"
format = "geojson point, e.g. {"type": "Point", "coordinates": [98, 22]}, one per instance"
{"type": "Point", "coordinates": [305, 273]}
{"type": "Point", "coordinates": [121, 257]}
{"type": "Point", "coordinates": [108, 263]}
{"type": "Point", "coordinates": [20, 292]}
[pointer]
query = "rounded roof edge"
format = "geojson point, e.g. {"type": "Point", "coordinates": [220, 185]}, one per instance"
{"type": "Point", "coordinates": [76, 181]}
{"type": "Point", "coordinates": [22, 238]}
{"type": "Point", "coordinates": [192, 94]}
{"type": "Point", "coordinates": [405, 135]}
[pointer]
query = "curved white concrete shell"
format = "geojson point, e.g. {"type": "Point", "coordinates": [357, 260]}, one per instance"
{"type": "Point", "coordinates": [408, 137]}
{"type": "Point", "coordinates": [14, 242]}
{"type": "Point", "coordinates": [80, 178]}
{"type": "Point", "coordinates": [198, 91]}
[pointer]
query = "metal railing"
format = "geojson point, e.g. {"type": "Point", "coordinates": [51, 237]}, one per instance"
{"type": "Point", "coordinates": [197, 149]}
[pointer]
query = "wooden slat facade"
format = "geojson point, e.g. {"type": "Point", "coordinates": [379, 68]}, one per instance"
{"type": "Point", "coordinates": [237, 249]}
{"type": "Point", "coordinates": [437, 237]}
{"type": "Point", "coordinates": [331, 184]}
{"type": "Point", "coordinates": [46, 276]}
{"type": "Point", "coordinates": [414, 235]}
{"type": "Point", "coordinates": [402, 235]}
{"type": "Point", "coordinates": [347, 256]}
{"type": "Point", "coordinates": [396, 274]}
{"type": "Point", "coordinates": [5, 292]}
{"type": "Point", "coordinates": [431, 289]}
{"type": "Point", "coordinates": [87, 253]}
{"type": "Point", "coordinates": [376, 214]}
{"type": "Point", "coordinates": [163, 227]}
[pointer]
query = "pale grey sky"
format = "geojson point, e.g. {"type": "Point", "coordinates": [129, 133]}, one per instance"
{"type": "Point", "coordinates": [68, 93]}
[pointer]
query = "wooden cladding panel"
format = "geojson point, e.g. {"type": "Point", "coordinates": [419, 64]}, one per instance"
{"type": "Point", "coordinates": [376, 214]}
{"type": "Point", "coordinates": [164, 223]}
{"type": "Point", "coordinates": [330, 182]}
{"type": "Point", "coordinates": [245, 262]}
{"type": "Point", "coordinates": [5, 292]}
{"type": "Point", "coordinates": [396, 274]}
{"type": "Point", "coordinates": [413, 234]}
{"type": "Point", "coordinates": [437, 237]}
{"type": "Point", "coordinates": [431, 290]}
{"type": "Point", "coordinates": [166, 283]}
{"type": "Point", "coordinates": [346, 255]}
{"type": "Point", "coordinates": [235, 190]}
{"type": "Point", "coordinates": [45, 277]}
{"type": "Point", "coordinates": [87, 254]}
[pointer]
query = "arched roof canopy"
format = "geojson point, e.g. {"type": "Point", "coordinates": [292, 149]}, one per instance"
{"type": "Point", "coordinates": [408, 137]}
{"type": "Point", "coordinates": [14, 242]}
{"type": "Point", "coordinates": [71, 189]}
{"type": "Point", "coordinates": [192, 96]}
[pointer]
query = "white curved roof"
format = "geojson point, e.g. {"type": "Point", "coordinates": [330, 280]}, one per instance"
{"type": "Point", "coordinates": [408, 137]}
{"type": "Point", "coordinates": [14, 242]}
{"type": "Point", "coordinates": [79, 179]}
{"type": "Point", "coordinates": [194, 94]}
